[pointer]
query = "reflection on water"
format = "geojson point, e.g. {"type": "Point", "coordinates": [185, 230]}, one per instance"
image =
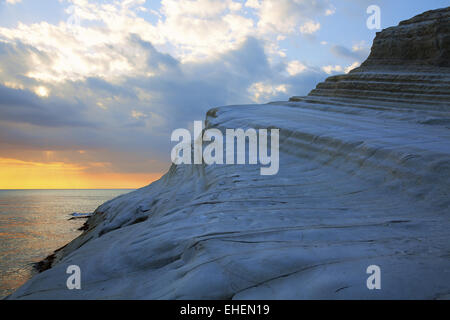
{"type": "Point", "coordinates": [34, 223]}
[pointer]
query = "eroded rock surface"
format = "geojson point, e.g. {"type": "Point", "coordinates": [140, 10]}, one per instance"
{"type": "Point", "coordinates": [364, 180]}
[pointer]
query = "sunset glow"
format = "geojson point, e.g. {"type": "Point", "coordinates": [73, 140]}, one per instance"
{"type": "Point", "coordinates": [17, 174]}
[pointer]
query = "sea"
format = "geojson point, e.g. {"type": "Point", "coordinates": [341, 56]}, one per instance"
{"type": "Point", "coordinates": [34, 223]}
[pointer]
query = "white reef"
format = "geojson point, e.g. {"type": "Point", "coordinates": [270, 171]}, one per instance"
{"type": "Point", "coordinates": [364, 180]}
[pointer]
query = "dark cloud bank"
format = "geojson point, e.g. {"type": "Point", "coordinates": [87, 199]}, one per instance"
{"type": "Point", "coordinates": [70, 118]}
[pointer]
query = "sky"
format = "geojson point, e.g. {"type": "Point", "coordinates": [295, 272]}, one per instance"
{"type": "Point", "coordinates": [90, 91]}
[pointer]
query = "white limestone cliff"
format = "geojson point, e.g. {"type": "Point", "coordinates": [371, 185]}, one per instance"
{"type": "Point", "coordinates": [364, 180]}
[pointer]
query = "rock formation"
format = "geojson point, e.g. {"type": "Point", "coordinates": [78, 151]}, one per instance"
{"type": "Point", "coordinates": [364, 180]}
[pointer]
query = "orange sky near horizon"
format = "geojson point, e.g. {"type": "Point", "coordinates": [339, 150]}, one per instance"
{"type": "Point", "coordinates": [18, 174]}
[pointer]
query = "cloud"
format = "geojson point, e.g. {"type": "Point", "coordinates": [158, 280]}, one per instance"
{"type": "Point", "coordinates": [115, 86]}
{"type": "Point", "coordinates": [264, 90]}
{"type": "Point", "coordinates": [330, 69]}
{"type": "Point", "coordinates": [95, 40]}
{"type": "Point", "coordinates": [361, 48]}
{"type": "Point", "coordinates": [295, 67]}
{"type": "Point", "coordinates": [330, 10]}
{"type": "Point", "coordinates": [23, 106]}
{"type": "Point", "coordinates": [132, 118]}
{"type": "Point", "coordinates": [285, 16]}
{"type": "Point", "coordinates": [41, 91]}
{"type": "Point", "coordinates": [255, 4]}
{"type": "Point", "coordinates": [358, 52]}
{"type": "Point", "coordinates": [309, 27]}
{"type": "Point", "coordinates": [352, 66]}
{"type": "Point", "coordinates": [18, 174]}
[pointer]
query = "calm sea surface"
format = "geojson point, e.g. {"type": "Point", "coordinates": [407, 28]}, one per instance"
{"type": "Point", "coordinates": [34, 223]}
